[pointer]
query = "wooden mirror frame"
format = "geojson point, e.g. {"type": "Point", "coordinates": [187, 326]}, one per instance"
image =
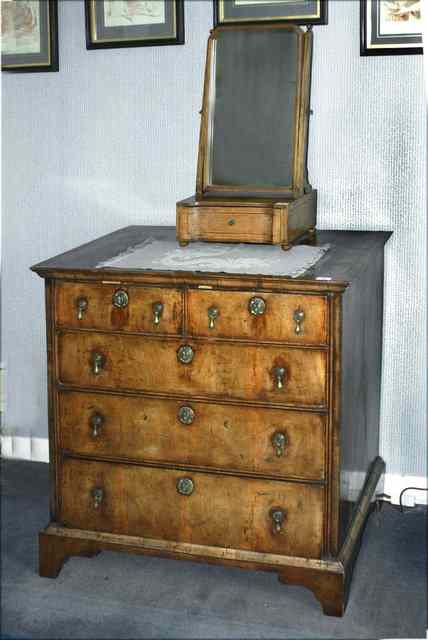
{"type": "Point", "coordinates": [300, 183]}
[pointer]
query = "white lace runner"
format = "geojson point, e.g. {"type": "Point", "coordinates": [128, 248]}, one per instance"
{"type": "Point", "coordinates": [166, 255]}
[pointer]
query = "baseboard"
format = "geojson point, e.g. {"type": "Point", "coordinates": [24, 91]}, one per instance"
{"type": "Point", "coordinates": [37, 449]}
{"type": "Point", "coordinates": [25, 448]}
{"type": "Point", "coordinates": [395, 483]}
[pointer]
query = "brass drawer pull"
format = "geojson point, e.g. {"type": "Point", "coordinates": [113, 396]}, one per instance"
{"type": "Point", "coordinates": [97, 421]}
{"type": "Point", "coordinates": [278, 517]}
{"type": "Point", "coordinates": [186, 415]}
{"type": "Point", "coordinates": [185, 354]}
{"type": "Point", "coordinates": [279, 375]}
{"type": "Point", "coordinates": [157, 312]}
{"type": "Point", "coordinates": [97, 495]}
{"type": "Point", "coordinates": [231, 222]}
{"type": "Point", "coordinates": [298, 316]}
{"type": "Point", "coordinates": [185, 486]}
{"type": "Point", "coordinates": [97, 362]}
{"type": "Point", "coordinates": [213, 314]}
{"type": "Point", "coordinates": [257, 306]}
{"type": "Point", "coordinates": [81, 305]}
{"type": "Point", "coordinates": [279, 442]}
{"type": "Point", "coordinates": [120, 299]}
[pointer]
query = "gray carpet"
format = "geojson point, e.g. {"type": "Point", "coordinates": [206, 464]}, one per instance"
{"type": "Point", "coordinates": [119, 596]}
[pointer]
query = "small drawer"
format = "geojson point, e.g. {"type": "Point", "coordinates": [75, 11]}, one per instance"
{"type": "Point", "coordinates": [198, 508]}
{"type": "Point", "coordinates": [229, 225]}
{"type": "Point", "coordinates": [283, 317]}
{"type": "Point", "coordinates": [119, 307]}
{"type": "Point", "coordinates": [238, 438]}
{"type": "Point", "coordinates": [207, 369]}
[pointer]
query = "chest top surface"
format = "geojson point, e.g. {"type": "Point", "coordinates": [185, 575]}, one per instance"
{"type": "Point", "coordinates": [347, 256]}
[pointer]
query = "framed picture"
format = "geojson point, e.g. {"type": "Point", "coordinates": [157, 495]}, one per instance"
{"type": "Point", "coordinates": [251, 11]}
{"type": "Point", "coordinates": [133, 23]}
{"type": "Point", "coordinates": [390, 27]}
{"type": "Point", "coordinates": [29, 35]}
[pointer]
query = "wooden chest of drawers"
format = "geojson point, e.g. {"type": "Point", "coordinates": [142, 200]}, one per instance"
{"type": "Point", "coordinates": [214, 417]}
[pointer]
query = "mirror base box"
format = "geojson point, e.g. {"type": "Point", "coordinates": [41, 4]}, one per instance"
{"type": "Point", "coordinates": [258, 221]}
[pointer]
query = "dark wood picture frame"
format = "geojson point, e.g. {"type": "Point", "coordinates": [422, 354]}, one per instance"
{"type": "Point", "coordinates": [387, 48]}
{"type": "Point", "coordinates": [178, 38]}
{"type": "Point", "coordinates": [322, 19]}
{"type": "Point", "coordinates": [29, 63]}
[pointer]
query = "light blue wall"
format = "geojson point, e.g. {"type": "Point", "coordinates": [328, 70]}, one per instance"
{"type": "Point", "coordinates": [111, 140]}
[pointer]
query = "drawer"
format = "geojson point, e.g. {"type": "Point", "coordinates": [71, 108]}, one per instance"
{"type": "Point", "coordinates": [283, 317]}
{"type": "Point", "coordinates": [229, 224]}
{"type": "Point", "coordinates": [212, 509]}
{"type": "Point", "coordinates": [239, 438]}
{"type": "Point", "coordinates": [113, 307]}
{"type": "Point", "coordinates": [214, 369]}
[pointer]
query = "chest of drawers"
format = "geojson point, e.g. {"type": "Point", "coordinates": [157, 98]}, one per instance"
{"type": "Point", "coordinates": [223, 418]}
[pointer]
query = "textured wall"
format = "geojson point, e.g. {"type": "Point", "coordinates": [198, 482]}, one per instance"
{"type": "Point", "coordinates": [111, 140]}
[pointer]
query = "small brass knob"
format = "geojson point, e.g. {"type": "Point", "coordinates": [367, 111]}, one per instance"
{"type": "Point", "coordinates": [97, 422]}
{"type": "Point", "coordinates": [186, 415]}
{"type": "Point", "coordinates": [231, 222]}
{"type": "Point", "coordinates": [120, 299]}
{"type": "Point", "coordinates": [185, 354]}
{"type": "Point", "coordinates": [279, 442]}
{"type": "Point", "coordinates": [257, 306]}
{"type": "Point", "coordinates": [298, 316]}
{"type": "Point", "coordinates": [279, 375]}
{"type": "Point", "coordinates": [157, 308]}
{"type": "Point", "coordinates": [213, 314]}
{"type": "Point", "coordinates": [185, 486]}
{"type": "Point", "coordinates": [97, 362]}
{"type": "Point", "coordinates": [81, 305]}
{"type": "Point", "coordinates": [98, 496]}
{"type": "Point", "coordinates": [278, 517]}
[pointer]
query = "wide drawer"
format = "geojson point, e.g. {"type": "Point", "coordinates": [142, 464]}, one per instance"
{"type": "Point", "coordinates": [211, 509]}
{"type": "Point", "coordinates": [228, 224]}
{"type": "Point", "coordinates": [240, 438]}
{"type": "Point", "coordinates": [284, 317]}
{"type": "Point", "coordinates": [112, 307]}
{"type": "Point", "coordinates": [214, 369]}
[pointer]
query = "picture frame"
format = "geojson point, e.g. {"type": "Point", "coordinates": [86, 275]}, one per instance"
{"type": "Point", "coordinates": [390, 27]}
{"type": "Point", "coordinates": [30, 36]}
{"type": "Point", "coordinates": [308, 12]}
{"type": "Point", "coordinates": [130, 23]}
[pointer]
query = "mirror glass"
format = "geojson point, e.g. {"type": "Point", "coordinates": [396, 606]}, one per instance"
{"type": "Point", "coordinates": [253, 108]}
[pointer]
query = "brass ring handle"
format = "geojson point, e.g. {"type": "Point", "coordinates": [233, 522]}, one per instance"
{"type": "Point", "coordinates": [97, 421]}
{"type": "Point", "coordinates": [279, 375]}
{"type": "Point", "coordinates": [157, 308]}
{"type": "Point", "coordinates": [185, 354]}
{"type": "Point", "coordinates": [186, 415]}
{"type": "Point", "coordinates": [97, 362]}
{"type": "Point", "coordinates": [81, 305]}
{"type": "Point", "coordinates": [279, 442]}
{"type": "Point", "coordinates": [120, 299]}
{"type": "Point", "coordinates": [298, 316]}
{"type": "Point", "coordinates": [213, 314]}
{"type": "Point", "coordinates": [185, 486]}
{"type": "Point", "coordinates": [278, 517]}
{"type": "Point", "coordinates": [257, 306]}
{"type": "Point", "coordinates": [97, 495]}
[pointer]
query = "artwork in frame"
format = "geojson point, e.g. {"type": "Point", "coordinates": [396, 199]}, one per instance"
{"type": "Point", "coordinates": [254, 11]}
{"type": "Point", "coordinates": [29, 35]}
{"type": "Point", "coordinates": [390, 27]}
{"type": "Point", "coordinates": [133, 23]}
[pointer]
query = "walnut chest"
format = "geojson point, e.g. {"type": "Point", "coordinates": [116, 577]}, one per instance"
{"type": "Point", "coordinates": [219, 417]}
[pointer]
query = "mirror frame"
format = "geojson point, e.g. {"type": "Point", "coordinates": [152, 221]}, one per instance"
{"type": "Point", "coordinates": [300, 183]}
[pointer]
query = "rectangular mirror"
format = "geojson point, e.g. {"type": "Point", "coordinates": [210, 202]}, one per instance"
{"type": "Point", "coordinates": [255, 112]}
